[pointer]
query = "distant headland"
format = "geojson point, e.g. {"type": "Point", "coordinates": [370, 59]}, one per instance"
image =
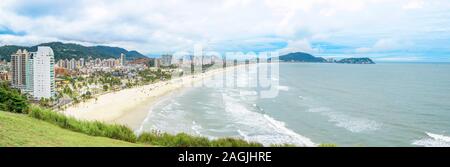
{"type": "Point", "coordinates": [306, 57]}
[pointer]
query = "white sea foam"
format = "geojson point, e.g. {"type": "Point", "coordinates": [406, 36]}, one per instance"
{"type": "Point", "coordinates": [283, 88]}
{"type": "Point", "coordinates": [254, 126]}
{"type": "Point", "coordinates": [248, 93]}
{"type": "Point", "coordinates": [352, 124]}
{"type": "Point", "coordinates": [141, 127]}
{"type": "Point", "coordinates": [439, 137]}
{"type": "Point", "coordinates": [196, 127]}
{"type": "Point", "coordinates": [260, 109]}
{"type": "Point", "coordinates": [433, 140]}
{"type": "Point", "coordinates": [318, 109]}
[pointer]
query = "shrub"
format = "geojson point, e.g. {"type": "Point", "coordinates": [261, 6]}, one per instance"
{"type": "Point", "coordinates": [12, 100]}
{"type": "Point", "coordinates": [283, 145]}
{"type": "Point", "coordinates": [327, 145]}
{"type": "Point", "coordinates": [186, 140]}
{"type": "Point", "coordinates": [94, 128]}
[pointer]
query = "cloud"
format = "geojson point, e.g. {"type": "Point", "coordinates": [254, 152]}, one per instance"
{"type": "Point", "coordinates": [154, 27]}
{"type": "Point", "coordinates": [414, 4]}
{"type": "Point", "coordinates": [298, 46]}
{"type": "Point", "coordinates": [400, 59]}
{"type": "Point", "coordinates": [386, 45]}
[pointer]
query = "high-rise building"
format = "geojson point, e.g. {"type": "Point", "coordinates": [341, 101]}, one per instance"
{"type": "Point", "coordinates": [82, 63]}
{"type": "Point", "coordinates": [166, 60]}
{"type": "Point", "coordinates": [72, 64]}
{"type": "Point", "coordinates": [122, 59]}
{"type": "Point", "coordinates": [98, 62]}
{"type": "Point", "coordinates": [19, 63]}
{"type": "Point", "coordinates": [43, 73]}
{"type": "Point", "coordinates": [157, 62]}
{"type": "Point", "coordinates": [29, 74]}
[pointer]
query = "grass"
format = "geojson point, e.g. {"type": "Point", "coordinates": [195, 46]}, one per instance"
{"type": "Point", "coordinates": [186, 140]}
{"type": "Point", "coordinates": [327, 145]}
{"type": "Point", "coordinates": [22, 130]}
{"type": "Point", "coordinates": [94, 128]}
{"type": "Point", "coordinates": [124, 133]}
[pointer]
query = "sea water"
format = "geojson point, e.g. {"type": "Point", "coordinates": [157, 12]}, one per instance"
{"type": "Point", "coordinates": [385, 104]}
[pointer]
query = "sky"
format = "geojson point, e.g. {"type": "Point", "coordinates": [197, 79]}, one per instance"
{"type": "Point", "coordinates": [384, 30]}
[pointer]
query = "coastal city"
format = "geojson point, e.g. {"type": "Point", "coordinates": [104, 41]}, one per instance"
{"type": "Point", "coordinates": [59, 84]}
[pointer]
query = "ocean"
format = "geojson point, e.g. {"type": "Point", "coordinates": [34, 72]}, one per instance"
{"type": "Point", "coordinates": [385, 104]}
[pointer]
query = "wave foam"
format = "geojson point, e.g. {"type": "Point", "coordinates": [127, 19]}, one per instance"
{"type": "Point", "coordinates": [254, 126]}
{"type": "Point", "coordinates": [353, 124]}
{"type": "Point", "coordinates": [433, 140]}
{"type": "Point", "coordinates": [318, 109]}
{"type": "Point", "coordinates": [283, 88]}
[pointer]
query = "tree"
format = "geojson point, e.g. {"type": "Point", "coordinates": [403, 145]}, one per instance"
{"type": "Point", "coordinates": [12, 100]}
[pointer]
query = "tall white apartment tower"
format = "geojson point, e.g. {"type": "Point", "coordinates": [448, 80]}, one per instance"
{"type": "Point", "coordinates": [43, 73]}
{"type": "Point", "coordinates": [122, 59]}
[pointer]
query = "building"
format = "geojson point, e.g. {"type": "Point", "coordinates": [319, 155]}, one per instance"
{"type": "Point", "coordinates": [4, 76]}
{"type": "Point", "coordinates": [72, 64]}
{"type": "Point", "coordinates": [206, 60]}
{"type": "Point", "coordinates": [62, 63]}
{"type": "Point", "coordinates": [122, 59]}
{"type": "Point", "coordinates": [19, 62]}
{"type": "Point", "coordinates": [43, 74]}
{"type": "Point", "coordinates": [331, 60]}
{"type": "Point", "coordinates": [81, 62]}
{"type": "Point", "coordinates": [60, 71]}
{"type": "Point", "coordinates": [166, 60]}
{"type": "Point", "coordinates": [157, 63]}
{"type": "Point", "coordinates": [98, 62]}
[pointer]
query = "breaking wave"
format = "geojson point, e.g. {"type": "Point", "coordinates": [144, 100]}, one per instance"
{"type": "Point", "coordinates": [433, 140]}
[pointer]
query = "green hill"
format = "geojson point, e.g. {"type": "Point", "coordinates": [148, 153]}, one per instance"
{"type": "Point", "coordinates": [363, 60]}
{"type": "Point", "coordinates": [70, 50]}
{"type": "Point", "coordinates": [301, 57]}
{"type": "Point", "coordinates": [306, 57]}
{"type": "Point", "coordinates": [22, 130]}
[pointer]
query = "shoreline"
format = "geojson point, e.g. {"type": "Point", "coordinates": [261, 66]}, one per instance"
{"type": "Point", "coordinates": [131, 106]}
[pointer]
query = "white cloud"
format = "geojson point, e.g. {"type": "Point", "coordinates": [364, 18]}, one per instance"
{"type": "Point", "coordinates": [23, 40]}
{"type": "Point", "coordinates": [414, 4]}
{"type": "Point", "coordinates": [400, 59]}
{"type": "Point", "coordinates": [152, 26]}
{"type": "Point", "coordinates": [298, 46]}
{"type": "Point", "coordinates": [386, 45]}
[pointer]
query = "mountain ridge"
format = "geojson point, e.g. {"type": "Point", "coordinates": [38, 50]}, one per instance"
{"type": "Point", "coordinates": [72, 50]}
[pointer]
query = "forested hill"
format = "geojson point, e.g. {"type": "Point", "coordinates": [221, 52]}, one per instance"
{"type": "Point", "coordinates": [70, 50]}
{"type": "Point", "coordinates": [301, 57]}
{"type": "Point", "coordinates": [306, 57]}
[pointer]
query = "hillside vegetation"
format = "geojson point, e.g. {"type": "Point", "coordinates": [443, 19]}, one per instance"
{"type": "Point", "coordinates": [22, 130]}
{"type": "Point", "coordinates": [70, 50]}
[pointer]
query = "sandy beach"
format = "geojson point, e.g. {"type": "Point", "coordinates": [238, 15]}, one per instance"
{"type": "Point", "coordinates": [131, 106]}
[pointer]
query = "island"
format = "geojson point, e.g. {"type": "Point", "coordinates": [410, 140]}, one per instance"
{"type": "Point", "coordinates": [363, 60]}
{"type": "Point", "coordinates": [301, 57]}
{"type": "Point", "coordinates": [308, 58]}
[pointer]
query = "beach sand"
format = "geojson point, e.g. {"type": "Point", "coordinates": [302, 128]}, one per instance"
{"type": "Point", "coordinates": [131, 106]}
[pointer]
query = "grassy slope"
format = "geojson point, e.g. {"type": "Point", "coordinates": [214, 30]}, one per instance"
{"type": "Point", "coordinates": [21, 130]}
